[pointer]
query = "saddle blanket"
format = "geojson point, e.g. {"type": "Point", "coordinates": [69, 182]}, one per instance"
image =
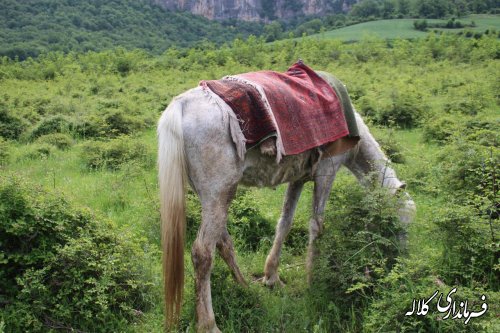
{"type": "Point", "coordinates": [297, 106]}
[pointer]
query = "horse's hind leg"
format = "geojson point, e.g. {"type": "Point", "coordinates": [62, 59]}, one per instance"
{"type": "Point", "coordinates": [226, 250]}
{"type": "Point", "coordinates": [211, 232]}
{"type": "Point", "coordinates": [282, 228]}
{"type": "Point", "coordinates": [214, 170]}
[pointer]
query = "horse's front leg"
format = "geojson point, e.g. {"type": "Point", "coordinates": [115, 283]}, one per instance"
{"type": "Point", "coordinates": [282, 228]}
{"type": "Point", "coordinates": [323, 180]}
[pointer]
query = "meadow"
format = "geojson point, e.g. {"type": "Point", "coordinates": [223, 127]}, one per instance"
{"type": "Point", "coordinates": [404, 28]}
{"type": "Point", "coordinates": [79, 213]}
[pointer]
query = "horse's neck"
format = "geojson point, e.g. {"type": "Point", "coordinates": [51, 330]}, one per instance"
{"type": "Point", "coordinates": [368, 158]}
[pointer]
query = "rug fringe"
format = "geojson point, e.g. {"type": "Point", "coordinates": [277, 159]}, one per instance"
{"type": "Point", "coordinates": [228, 116]}
{"type": "Point", "coordinates": [280, 149]}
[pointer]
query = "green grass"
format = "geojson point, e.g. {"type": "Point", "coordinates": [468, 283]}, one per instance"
{"type": "Point", "coordinates": [129, 196]}
{"type": "Point", "coordinates": [403, 28]}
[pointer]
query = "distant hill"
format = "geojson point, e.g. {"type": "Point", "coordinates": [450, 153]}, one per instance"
{"type": "Point", "coordinates": [31, 27]}
{"type": "Point", "coordinates": [404, 28]}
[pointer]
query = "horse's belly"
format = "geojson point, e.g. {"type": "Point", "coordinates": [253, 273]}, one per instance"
{"type": "Point", "coordinates": [263, 171]}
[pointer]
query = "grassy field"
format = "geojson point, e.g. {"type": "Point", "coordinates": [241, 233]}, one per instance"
{"type": "Point", "coordinates": [435, 101]}
{"type": "Point", "coordinates": [403, 28]}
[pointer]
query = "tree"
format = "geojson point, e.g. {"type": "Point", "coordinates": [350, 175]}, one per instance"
{"type": "Point", "coordinates": [366, 9]}
{"type": "Point", "coordinates": [388, 8]}
{"type": "Point", "coordinates": [273, 31]}
{"type": "Point", "coordinates": [403, 7]}
{"type": "Point", "coordinates": [432, 8]}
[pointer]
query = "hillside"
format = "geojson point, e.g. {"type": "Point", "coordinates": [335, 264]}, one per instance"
{"type": "Point", "coordinates": [29, 28]}
{"type": "Point", "coordinates": [79, 217]}
{"type": "Point", "coordinates": [404, 28]}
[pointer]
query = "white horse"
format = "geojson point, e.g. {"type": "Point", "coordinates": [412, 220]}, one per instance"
{"type": "Point", "coordinates": [200, 143]}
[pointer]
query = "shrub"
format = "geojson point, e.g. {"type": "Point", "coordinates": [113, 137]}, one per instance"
{"type": "Point", "coordinates": [483, 132]}
{"type": "Point", "coordinates": [440, 129]}
{"type": "Point", "coordinates": [11, 127]}
{"type": "Point", "coordinates": [367, 106]}
{"type": "Point", "coordinates": [61, 268]}
{"type": "Point", "coordinates": [37, 151]}
{"type": "Point", "coordinates": [91, 126]}
{"type": "Point", "coordinates": [296, 241]}
{"type": "Point", "coordinates": [357, 249]}
{"type": "Point", "coordinates": [123, 66]}
{"type": "Point", "coordinates": [117, 123]}
{"type": "Point", "coordinates": [233, 303]}
{"type": "Point", "coordinates": [59, 140]}
{"type": "Point", "coordinates": [469, 255]}
{"type": "Point", "coordinates": [405, 110]}
{"type": "Point", "coordinates": [391, 148]}
{"type": "Point", "coordinates": [111, 125]}
{"type": "Point", "coordinates": [4, 152]}
{"type": "Point", "coordinates": [246, 224]}
{"type": "Point", "coordinates": [470, 169]}
{"type": "Point", "coordinates": [464, 106]}
{"type": "Point", "coordinates": [420, 25]}
{"type": "Point", "coordinates": [411, 279]}
{"type": "Point", "coordinates": [55, 124]}
{"type": "Point", "coordinates": [484, 137]}
{"type": "Point", "coordinates": [114, 153]}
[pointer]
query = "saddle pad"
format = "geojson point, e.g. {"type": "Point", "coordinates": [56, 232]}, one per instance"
{"type": "Point", "coordinates": [299, 106]}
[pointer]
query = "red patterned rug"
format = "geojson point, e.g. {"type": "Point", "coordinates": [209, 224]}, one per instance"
{"type": "Point", "coordinates": [298, 105]}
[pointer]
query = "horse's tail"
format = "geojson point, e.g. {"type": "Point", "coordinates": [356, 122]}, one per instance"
{"type": "Point", "coordinates": [172, 179]}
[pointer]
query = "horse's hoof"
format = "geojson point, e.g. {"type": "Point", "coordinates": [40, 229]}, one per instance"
{"type": "Point", "coordinates": [213, 329]}
{"type": "Point", "coordinates": [273, 281]}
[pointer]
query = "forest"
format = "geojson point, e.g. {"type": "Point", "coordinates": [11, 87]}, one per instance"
{"type": "Point", "coordinates": [32, 27]}
{"type": "Point", "coordinates": [79, 210]}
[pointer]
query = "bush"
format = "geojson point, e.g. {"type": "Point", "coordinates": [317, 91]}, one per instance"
{"type": "Point", "coordinates": [411, 279]}
{"type": "Point", "coordinates": [469, 255]}
{"type": "Point", "coordinates": [114, 153]}
{"type": "Point", "coordinates": [11, 127]}
{"type": "Point", "coordinates": [465, 106]}
{"type": "Point", "coordinates": [91, 126]}
{"type": "Point", "coordinates": [59, 140]}
{"type": "Point", "coordinates": [110, 126]}
{"type": "Point", "coordinates": [118, 123]}
{"type": "Point", "coordinates": [37, 151]}
{"type": "Point", "coordinates": [420, 25]}
{"type": "Point", "coordinates": [246, 224]}
{"type": "Point", "coordinates": [4, 152]}
{"type": "Point", "coordinates": [358, 248]}
{"type": "Point", "coordinates": [484, 137]}
{"type": "Point", "coordinates": [296, 241]}
{"type": "Point", "coordinates": [483, 132]}
{"type": "Point", "coordinates": [440, 129]}
{"type": "Point", "coordinates": [405, 110]}
{"type": "Point", "coordinates": [470, 169]}
{"type": "Point", "coordinates": [55, 124]}
{"type": "Point", "coordinates": [233, 303]}
{"type": "Point", "coordinates": [61, 268]}
{"type": "Point", "coordinates": [391, 148]}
